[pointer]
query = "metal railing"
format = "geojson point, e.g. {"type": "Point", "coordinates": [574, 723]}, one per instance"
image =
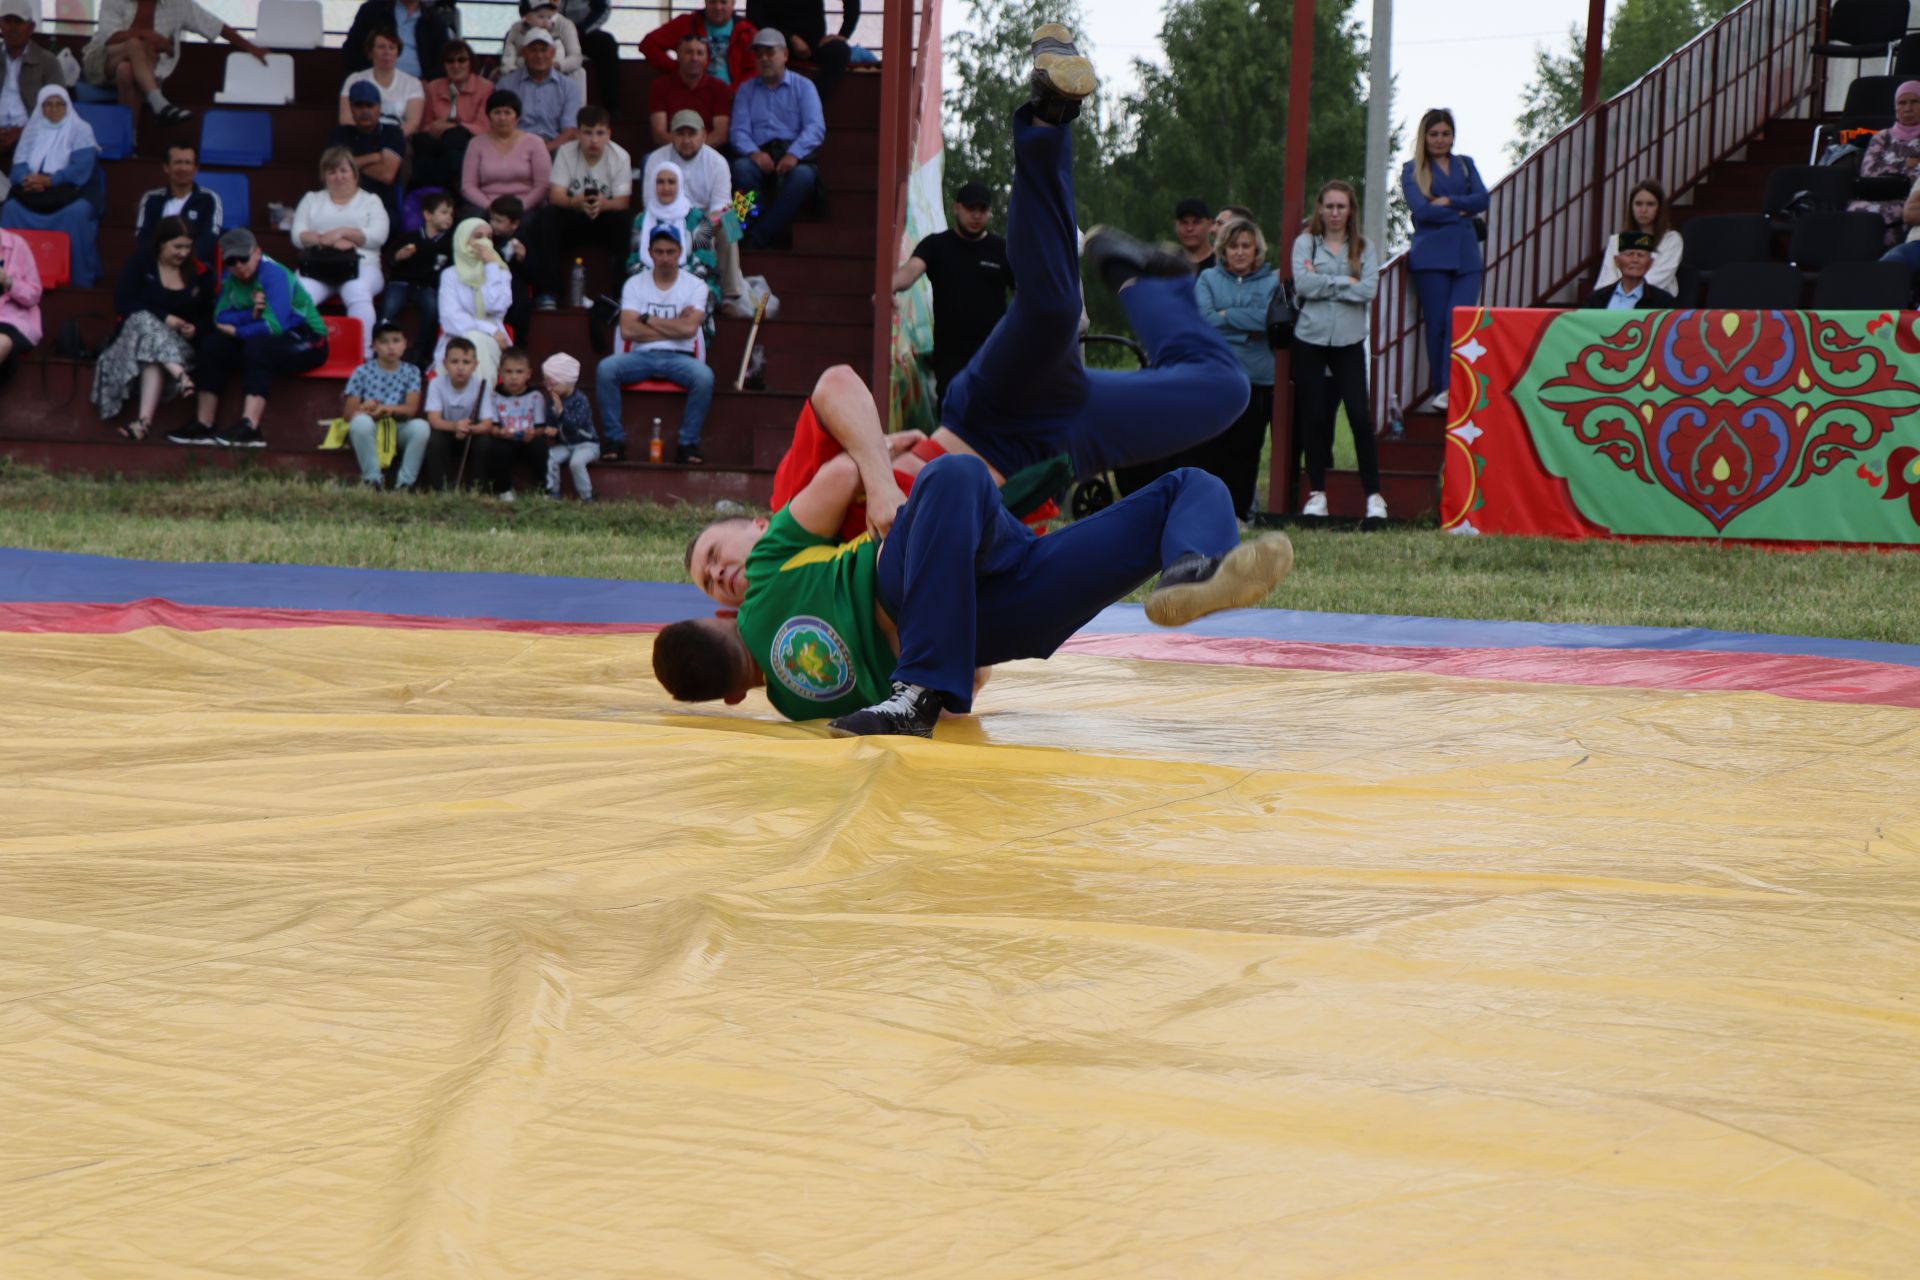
{"type": "Point", "coordinates": [1548, 217]}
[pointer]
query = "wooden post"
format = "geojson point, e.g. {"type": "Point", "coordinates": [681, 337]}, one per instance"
{"type": "Point", "coordinates": [896, 106]}
{"type": "Point", "coordinates": [1280, 477]}
{"type": "Point", "coordinates": [1590, 70]}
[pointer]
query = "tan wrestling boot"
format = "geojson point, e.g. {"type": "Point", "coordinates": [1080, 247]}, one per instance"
{"type": "Point", "coordinates": [1195, 586]}
{"type": "Point", "coordinates": [1061, 79]}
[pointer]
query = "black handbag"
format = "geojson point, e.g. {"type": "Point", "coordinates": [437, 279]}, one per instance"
{"type": "Point", "coordinates": [330, 266]}
{"type": "Point", "coordinates": [1282, 311]}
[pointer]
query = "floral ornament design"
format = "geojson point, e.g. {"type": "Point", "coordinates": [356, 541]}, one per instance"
{"type": "Point", "coordinates": [1724, 409]}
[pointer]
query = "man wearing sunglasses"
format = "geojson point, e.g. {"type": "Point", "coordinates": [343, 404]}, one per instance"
{"type": "Point", "coordinates": [266, 327]}
{"type": "Point", "coordinates": [456, 114]}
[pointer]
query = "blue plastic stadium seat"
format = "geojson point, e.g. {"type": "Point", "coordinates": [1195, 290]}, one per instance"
{"type": "Point", "coordinates": [236, 196]}
{"type": "Point", "coordinates": [84, 92]}
{"type": "Point", "coordinates": [112, 127]}
{"type": "Point", "coordinates": [242, 139]}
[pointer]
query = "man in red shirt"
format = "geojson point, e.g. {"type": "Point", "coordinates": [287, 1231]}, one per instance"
{"type": "Point", "coordinates": [716, 25]}
{"type": "Point", "coordinates": [688, 87]}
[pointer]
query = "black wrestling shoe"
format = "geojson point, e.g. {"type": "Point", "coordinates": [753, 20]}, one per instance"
{"type": "Point", "coordinates": [1196, 585]}
{"type": "Point", "coordinates": [911, 710]}
{"type": "Point", "coordinates": [1061, 78]}
{"type": "Point", "coordinates": [1117, 257]}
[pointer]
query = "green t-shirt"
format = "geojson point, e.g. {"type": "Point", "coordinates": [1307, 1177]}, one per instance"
{"type": "Point", "coordinates": [808, 620]}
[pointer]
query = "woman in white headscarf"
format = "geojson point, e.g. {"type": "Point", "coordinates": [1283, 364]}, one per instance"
{"type": "Point", "coordinates": [475, 293]}
{"type": "Point", "coordinates": [667, 205]}
{"type": "Point", "coordinates": [57, 185]}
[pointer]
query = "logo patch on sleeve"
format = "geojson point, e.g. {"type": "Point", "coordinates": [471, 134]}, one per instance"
{"type": "Point", "coordinates": [811, 659]}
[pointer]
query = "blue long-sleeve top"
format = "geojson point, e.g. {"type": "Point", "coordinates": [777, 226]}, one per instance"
{"type": "Point", "coordinates": [282, 312]}
{"type": "Point", "coordinates": [78, 169]}
{"type": "Point", "coordinates": [789, 110]}
{"type": "Point", "coordinates": [1237, 307]}
{"type": "Point", "coordinates": [1443, 238]}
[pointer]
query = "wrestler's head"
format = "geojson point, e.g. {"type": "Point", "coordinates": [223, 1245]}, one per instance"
{"type": "Point", "coordinates": [703, 659]}
{"type": "Point", "coordinates": [717, 557]}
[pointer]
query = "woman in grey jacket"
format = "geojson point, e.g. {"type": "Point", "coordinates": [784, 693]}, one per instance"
{"type": "Point", "coordinates": [1335, 274]}
{"type": "Point", "coordinates": [1233, 295]}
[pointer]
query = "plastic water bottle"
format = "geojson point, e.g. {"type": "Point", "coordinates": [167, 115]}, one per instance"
{"type": "Point", "coordinates": [656, 447]}
{"type": "Point", "coordinates": [577, 284]}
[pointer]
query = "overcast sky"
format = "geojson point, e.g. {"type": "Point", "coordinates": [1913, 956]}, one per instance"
{"type": "Point", "coordinates": [1473, 56]}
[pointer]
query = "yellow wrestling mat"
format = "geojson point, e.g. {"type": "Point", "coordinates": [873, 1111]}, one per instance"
{"type": "Point", "coordinates": [358, 952]}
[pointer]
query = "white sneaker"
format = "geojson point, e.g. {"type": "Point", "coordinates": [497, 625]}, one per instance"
{"type": "Point", "coordinates": [1376, 507]}
{"type": "Point", "coordinates": [507, 496]}
{"type": "Point", "coordinates": [1316, 504]}
{"type": "Point", "coordinates": [1438, 404]}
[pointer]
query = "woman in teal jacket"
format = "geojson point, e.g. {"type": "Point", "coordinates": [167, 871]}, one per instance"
{"type": "Point", "coordinates": [1233, 295]}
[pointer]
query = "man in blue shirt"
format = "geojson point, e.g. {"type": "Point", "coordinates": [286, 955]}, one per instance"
{"type": "Point", "coordinates": [1631, 292]}
{"type": "Point", "coordinates": [549, 101]}
{"type": "Point", "coordinates": [777, 128]}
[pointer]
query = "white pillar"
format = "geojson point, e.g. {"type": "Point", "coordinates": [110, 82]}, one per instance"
{"type": "Point", "coordinates": [1379, 98]}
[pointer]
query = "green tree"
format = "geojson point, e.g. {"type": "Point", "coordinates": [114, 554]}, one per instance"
{"type": "Point", "coordinates": [1640, 35]}
{"type": "Point", "coordinates": [1212, 122]}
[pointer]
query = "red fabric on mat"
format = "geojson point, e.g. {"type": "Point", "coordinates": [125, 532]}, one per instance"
{"type": "Point", "coordinates": [113, 618]}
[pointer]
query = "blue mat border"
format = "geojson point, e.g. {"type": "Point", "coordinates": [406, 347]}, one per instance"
{"type": "Point", "coordinates": [60, 577]}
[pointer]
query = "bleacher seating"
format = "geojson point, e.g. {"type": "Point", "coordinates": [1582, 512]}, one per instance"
{"type": "Point", "coordinates": [346, 348]}
{"type": "Point", "coordinates": [238, 139]}
{"type": "Point", "coordinates": [1869, 103]}
{"type": "Point", "coordinates": [1829, 187]}
{"type": "Point", "coordinates": [251, 84]}
{"type": "Point", "coordinates": [1755, 286]}
{"type": "Point", "coordinates": [1864, 29]}
{"type": "Point", "coordinates": [112, 127]}
{"type": "Point", "coordinates": [52, 256]}
{"type": "Point", "coordinates": [1828, 237]}
{"type": "Point", "coordinates": [1862, 286]}
{"type": "Point", "coordinates": [290, 24]}
{"type": "Point", "coordinates": [236, 202]}
{"type": "Point", "coordinates": [1718, 239]}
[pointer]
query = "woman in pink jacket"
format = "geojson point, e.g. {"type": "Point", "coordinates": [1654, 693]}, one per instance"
{"type": "Point", "coordinates": [19, 303]}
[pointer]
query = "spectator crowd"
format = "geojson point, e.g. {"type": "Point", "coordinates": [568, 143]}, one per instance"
{"type": "Point", "coordinates": [458, 198]}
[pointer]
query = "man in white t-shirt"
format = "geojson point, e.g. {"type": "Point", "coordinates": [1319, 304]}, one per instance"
{"type": "Point", "coordinates": [707, 183]}
{"type": "Point", "coordinates": [661, 312]}
{"type": "Point", "coordinates": [589, 202]}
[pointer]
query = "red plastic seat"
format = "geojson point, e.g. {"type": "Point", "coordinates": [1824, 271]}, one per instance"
{"type": "Point", "coordinates": [52, 256]}
{"type": "Point", "coordinates": [655, 384]}
{"type": "Point", "coordinates": [346, 348]}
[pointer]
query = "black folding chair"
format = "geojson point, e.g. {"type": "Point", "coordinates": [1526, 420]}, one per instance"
{"type": "Point", "coordinates": [1822, 238]}
{"type": "Point", "coordinates": [1863, 286]}
{"type": "Point", "coordinates": [1754, 286]}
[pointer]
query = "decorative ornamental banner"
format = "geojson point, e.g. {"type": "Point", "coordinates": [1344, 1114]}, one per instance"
{"type": "Point", "coordinates": [1792, 426]}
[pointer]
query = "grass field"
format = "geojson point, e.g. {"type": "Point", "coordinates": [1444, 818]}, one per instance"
{"type": "Point", "coordinates": [276, 519]}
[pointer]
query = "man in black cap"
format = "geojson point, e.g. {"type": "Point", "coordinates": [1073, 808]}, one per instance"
{"type": "Point", "coordinates": [1193, 228]}
{"type": "Point", "coordinates": [1631, 292]}
{"type": "Point", "coordinates": [967, 266]}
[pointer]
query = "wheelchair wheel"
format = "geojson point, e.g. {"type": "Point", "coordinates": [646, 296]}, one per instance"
{"type": "Point", "coordinates": [1090, 496]}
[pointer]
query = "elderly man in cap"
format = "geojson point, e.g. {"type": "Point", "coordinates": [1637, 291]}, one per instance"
{"type": "Point", "coordinates": [1631, 292]}
{"type": "Point", "coordinates": [967, 266]}
{"type": "Point", "coordinates": [1193, 228]}
{"type": "Point", "coordinates": [549, 102]}
{"type": "Point", "coordinates": [777, 128]}
{"type": "Point", "coordinates": [661, 312]}
{"type": "Point", "coordinates": [29, 67]}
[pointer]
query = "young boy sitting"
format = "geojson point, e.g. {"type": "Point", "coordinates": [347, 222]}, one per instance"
{"type": "Point", "coordinates": [414, 264]}
{"type": "Point", "coordinates": [519, 423]}
{"type": "Point", "coordinates": [459, 407]}
{"type": "Point", "coordinates": [505, 216]}
{"type": "Point", "coordinates": [569, 414]}
{"type": "Point", "coordinates": [383, 392]}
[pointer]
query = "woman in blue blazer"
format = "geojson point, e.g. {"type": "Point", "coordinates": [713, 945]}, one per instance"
{"type": "Point", "coordinates": [1445, 194]}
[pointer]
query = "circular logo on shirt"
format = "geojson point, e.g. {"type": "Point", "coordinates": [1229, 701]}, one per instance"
{"type": "Point", "coordinates": [811, 659]}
